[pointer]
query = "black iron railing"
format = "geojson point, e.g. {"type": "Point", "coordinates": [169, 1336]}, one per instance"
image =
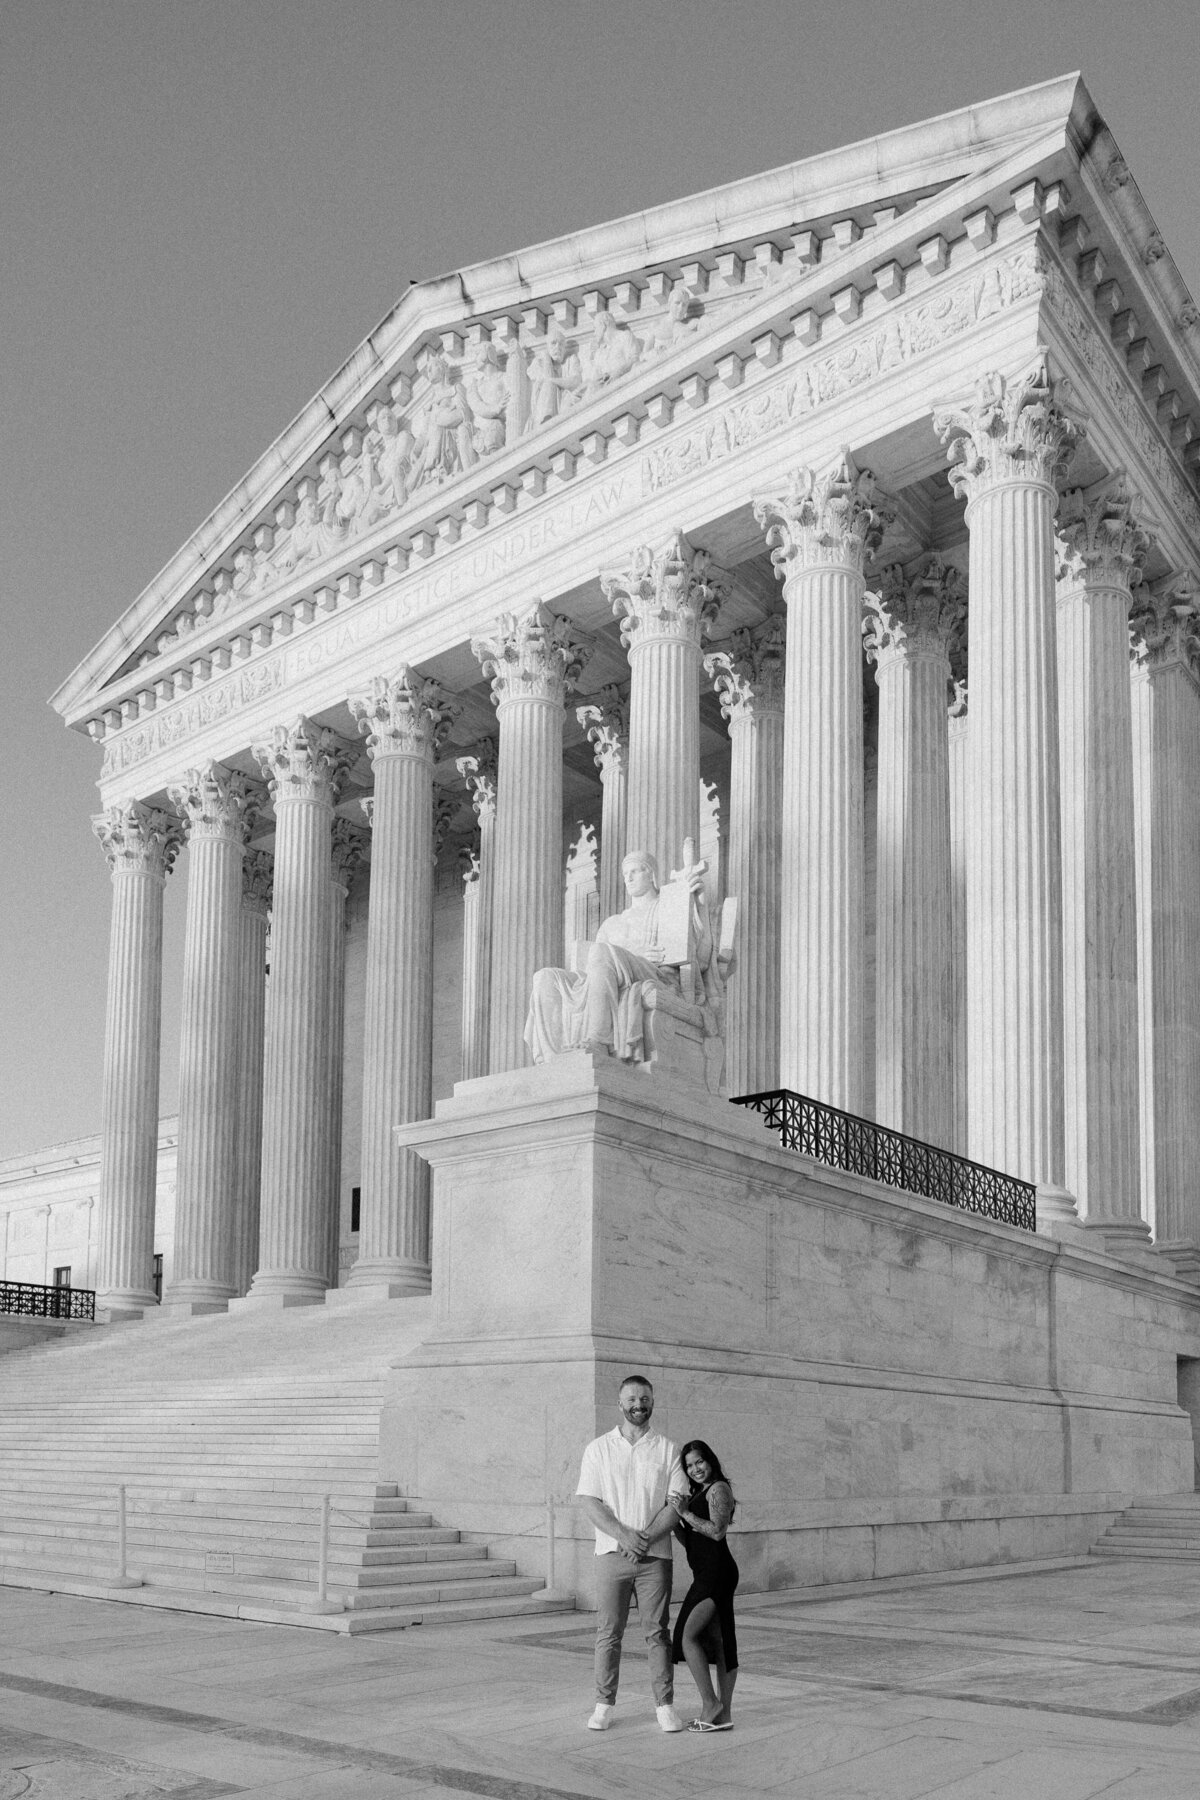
{"type": "Point", "coordinates": [30, 1302]}
{"type": "Point", "coordinates": [863, 1148]}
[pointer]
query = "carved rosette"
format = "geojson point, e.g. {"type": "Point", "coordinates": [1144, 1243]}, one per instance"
{"type": "Point", "coordinates": [348, 851]}
{"type": "Point", "coordinates": [917, 612]}
{"type": "Point", "coordinates": [139, 839]}
{"type": "Point", "coordinates": [469, 867]}
{"type": "Point", "coordinates": [1102, 543]}
{"type": "Point", "coordinates": [303, 761]}
{"type": "Point", "coordinates": [605, 721]}
{"type": "Point", "coordinates": [748, 672]}
{"type": "Point", "coordinates": [478, 770]}
{"type": "Point", "coordinates": [258, 875]}
{"type": "Point", "coordinates": [406, 714]}
{"type": "Point", "coordinates": [538, 656]}
{"type": "Point", "coordinates": [1011, 430]}
{"type": "Point", "coordinates": [676, 592]}
{"type": "Point", "coordinates": [835, 517]}
{"type": "Point", "coordinates": [957, 706]}
{"type": "Point", "coordinates": [215, 802]}
{"type": "Point", "coordinates": [1165, 624]}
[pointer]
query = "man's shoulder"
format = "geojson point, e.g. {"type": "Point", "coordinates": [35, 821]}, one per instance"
{"type": "Point", "coordinates": [599, 1444]}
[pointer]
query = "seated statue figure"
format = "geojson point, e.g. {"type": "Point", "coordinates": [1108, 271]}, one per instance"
{"type": "Point", "coordinates": [631, 965]}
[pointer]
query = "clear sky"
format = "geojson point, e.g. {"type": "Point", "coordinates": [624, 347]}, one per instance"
{"type": "Point", "coordinates": [206, 204]}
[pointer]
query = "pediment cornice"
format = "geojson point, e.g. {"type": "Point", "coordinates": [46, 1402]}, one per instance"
{"type": "Point", "coordinates": [419, 442]}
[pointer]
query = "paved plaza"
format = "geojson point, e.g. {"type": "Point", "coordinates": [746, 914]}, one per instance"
{"type": "Point", "coordinates": [1059, 1684]}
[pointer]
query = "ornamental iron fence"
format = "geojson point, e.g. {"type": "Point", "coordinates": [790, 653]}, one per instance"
{"type": "Point", "coordinates": [30, 1302]}
{"type": "Point", "coordinates": [861, 1147]}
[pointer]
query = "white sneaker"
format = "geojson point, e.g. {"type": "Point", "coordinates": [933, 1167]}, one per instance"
{"type": "Point", "coordinates": [668, 1718]}
{"type": "Point", "coordinates": [601, 1719]}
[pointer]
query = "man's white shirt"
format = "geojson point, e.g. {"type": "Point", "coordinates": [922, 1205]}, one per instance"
{"type": "Point", "coordinates": [633, 1480]}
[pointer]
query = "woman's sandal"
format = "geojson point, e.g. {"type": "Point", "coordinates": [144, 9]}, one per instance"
{"type": "Point", "coordinates": [710, 1725]}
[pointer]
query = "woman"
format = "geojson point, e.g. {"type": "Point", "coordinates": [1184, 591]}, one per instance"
{"type": "Point", "coordinates": [704, 1630]}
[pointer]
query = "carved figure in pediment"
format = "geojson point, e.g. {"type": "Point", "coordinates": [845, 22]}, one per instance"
{"type": "Point", "coordinates": [611, 354]}
{"type": "Point", "coordinates": [247, 577]}
{"type": "Point", "coordinates": [676, 324]}
{"type": "Point", "coordinates": [443, 427]}
{"type": "Point", "coordinates": [389, 450]}
{"type": "Point", "coordinates": [555, 378]}
{"type": "Point", "coordinates": [489, 397]}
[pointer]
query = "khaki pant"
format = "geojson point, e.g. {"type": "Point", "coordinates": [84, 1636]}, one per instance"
{"type": "Point", "coordinates": [617, 1580]}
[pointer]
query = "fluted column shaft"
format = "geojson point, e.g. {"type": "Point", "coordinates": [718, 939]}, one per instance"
{"type": "Point", "coordinates": [252, 992]}
{"type": "Point", "coordinates": [305, 765]}
{"type": "Point", "coordinates": [820, 530]}
{"type": "Point", "coordinates": [666, 604]}
{"type": "Point", "coordinates": [479, 773]}
{"type": "Point", "coordinates": [532, 662]}
{"type": "Point", "coordinates": [910, 624]}
{"type": "Point", "coordinates": [1102, 546]}
{"type": "Point", "coordinates": [140, 844]}
{"type": "Point", "coordinates": [748, 676]}
{"type": "Point", "coordinates": [1166, 709]}
{"type": "Point", "coordinates": [606, 721]}
{"type": "Point", "coordinates": [216, 806]}
{"type": "Point", "coordinates": [1008, 446]}
{"type": "Point", "coordinates": [957, 729]}
{"type": "Point", "coordinates": [405, 717]}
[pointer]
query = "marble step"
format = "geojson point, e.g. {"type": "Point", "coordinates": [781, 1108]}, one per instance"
{"type": "Point", "coordinates": [1154, 1552]}
{"type": "Point", "coordinates": [242, 1536]}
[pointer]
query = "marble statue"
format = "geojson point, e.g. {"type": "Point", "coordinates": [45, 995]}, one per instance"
{"type": "Point", "coordinates": [610, 355]}
{"type": "Point", "coordinates": [489, 399]}
{"type": "Point", "coordinates": [444, 426]}
{"type": "Point", "coordinates": [633, 958]}
{"type": "Point", "coordinates": [555, 379]}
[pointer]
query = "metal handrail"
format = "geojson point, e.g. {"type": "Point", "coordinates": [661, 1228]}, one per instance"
{"type": "Point", "coordinates": [26, 1300]}
{"type": "Point", "coordinates": [861, 1147]}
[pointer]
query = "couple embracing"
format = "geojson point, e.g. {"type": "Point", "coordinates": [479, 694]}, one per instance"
{"type": "Point", "coordinates": [636, 1491]}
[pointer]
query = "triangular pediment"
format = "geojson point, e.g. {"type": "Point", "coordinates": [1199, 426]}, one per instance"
{"type": "Point", "coordinates": [485, 383]}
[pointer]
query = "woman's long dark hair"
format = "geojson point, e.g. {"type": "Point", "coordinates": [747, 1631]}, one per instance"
{"type": "Point", "coordinates": [711, 1458]}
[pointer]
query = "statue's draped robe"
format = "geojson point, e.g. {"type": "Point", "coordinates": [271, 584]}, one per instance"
{"type": "Point", "coordinates": [606, 1003]}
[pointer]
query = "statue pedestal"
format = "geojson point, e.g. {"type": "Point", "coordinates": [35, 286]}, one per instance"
{"type": "Point", "coordinates": [892, 1384]}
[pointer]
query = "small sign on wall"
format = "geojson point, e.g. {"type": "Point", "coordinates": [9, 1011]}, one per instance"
{"type": "Point", "coordinates": [218, 1562]}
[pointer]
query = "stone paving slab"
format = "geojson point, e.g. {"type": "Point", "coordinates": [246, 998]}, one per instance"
{"type": "Point", "coordinates": [1063, 1684]}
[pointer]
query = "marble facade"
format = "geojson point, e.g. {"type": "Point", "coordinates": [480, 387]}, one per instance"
{"type": "Point", "coordinates": [806, 521]}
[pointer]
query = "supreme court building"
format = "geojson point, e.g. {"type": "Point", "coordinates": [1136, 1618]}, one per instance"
{"type": "Point", "coordinates": [831, 538]}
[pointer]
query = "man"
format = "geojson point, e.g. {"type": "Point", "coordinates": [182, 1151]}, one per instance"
{"type": "Point", "coordinates": [626, 1477]}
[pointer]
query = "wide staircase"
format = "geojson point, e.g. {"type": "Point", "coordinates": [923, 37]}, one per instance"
{"type": "Point", "coordinates": [1164, 1527]}
{"type": "Point", "coordinates": [232, 1436]}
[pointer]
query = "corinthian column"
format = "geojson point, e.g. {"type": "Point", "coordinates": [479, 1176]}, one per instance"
{"type": "Point", "coordinates": [909, 626]}
{"type": "Point", "coordinates": [534, 662]}
{"type": "Point", "coordinates": [820, 531]}
{"type": "Point", "coordinates": [1007, 444]}
{"type": "Point", "coordinates": [478, 770]}
{"type": "Point", "coordinates": [349, 852]}
{"type": "Point", "coordinates": [748, 674]}
{"type": "Point", "coordinates": [1166, 718]}
{"type": "Point", "coordinates": [404, 719]}
{"type": "Point", "coordinates": [306, 765]}
{"type": "Point", "coordinates": [1102, 550]}
{"type": "Point", "coordinates": [217, 806]}
{"type": "Point", "coordinates": [666, 604]}
{"type": "Point", "coordinates": [141, 845]}
{"type": "Point", "coordinates": [252, 992]}
{"type": "Point", "coordinates": [605, 720]}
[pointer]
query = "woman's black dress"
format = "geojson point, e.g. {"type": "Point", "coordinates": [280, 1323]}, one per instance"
{"type": "Point", "coordinates": [714, 1577]}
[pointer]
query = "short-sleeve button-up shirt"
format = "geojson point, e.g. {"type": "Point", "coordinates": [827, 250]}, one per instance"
{"type": "Point", "coordinates": [633, 1480]}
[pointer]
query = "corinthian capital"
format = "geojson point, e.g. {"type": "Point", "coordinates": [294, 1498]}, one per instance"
{"type": "Point", "coordinates": [605, 720]}
{"type": "Point", "coordinates": [404, 715]}
{"type": "Point", "coordinates": [303, 761]}
{"type": "Point", "coordinates": [675, 592]}
{"type": "Point", "coordinates": [1164, 624]}
{"type": "Point", "coordinates": [834, 516]}
{"type": "Point", "coordinates": [538, 656]}
{"type": "Point", "coordinates": [747, 670]}
{"type": "Point", "coordinates": [258, 874]}
{"type": "Point", "coordinates": [478, 770]}
{"type": "Point", "coordinates": [215, 802]}
{"type": "Point", "coordinates": [445, 806]}
{"type": "Point", "coordinates": [348, 851]}
{"type": "Point", "coordinates": [918, 611]}
{"type": "Point", "coordinates": [1009, 430]}
{"type": "Point", "coordinates": [139, 839]}
{"type": "Point", "coordinates": [1101, 540]}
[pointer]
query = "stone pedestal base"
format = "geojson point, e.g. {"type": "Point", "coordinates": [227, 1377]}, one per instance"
{"type": "Point", "coordinates": [1183, 1258]}
{"type": "Point", "coordinates": [273, 1302]}
{"type": "Point", "coordinates": [1127, 1242]}
{"type": "Point", "coordinates": [1057, 1216]}
{"type": "Point", "coordinates": [191, 1309]}
{"type": "Point", "coordinates": [893, 1385]}
{"type": "Point", "coordinates": [370, 1293]}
